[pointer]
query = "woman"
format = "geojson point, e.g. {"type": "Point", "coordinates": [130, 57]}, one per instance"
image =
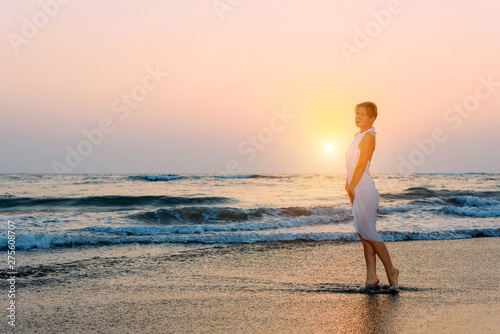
{"type": "Point", "coordinates": [364, 195]}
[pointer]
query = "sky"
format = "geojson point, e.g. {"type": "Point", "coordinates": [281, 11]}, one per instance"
{"type": "Point", "coordinates": [237, 86]}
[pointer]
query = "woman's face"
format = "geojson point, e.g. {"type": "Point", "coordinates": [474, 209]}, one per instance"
{"type": "Point", "coordinates": [362, 120]}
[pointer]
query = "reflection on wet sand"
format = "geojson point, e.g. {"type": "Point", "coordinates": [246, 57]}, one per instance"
{"type": "Point", "coordinates": [375, 313]}
{"type": "Point", "coordinates": [359, 309]}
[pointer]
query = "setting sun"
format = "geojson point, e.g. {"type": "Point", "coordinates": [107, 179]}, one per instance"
{"type": "Point", "coordinates": [329, 147]}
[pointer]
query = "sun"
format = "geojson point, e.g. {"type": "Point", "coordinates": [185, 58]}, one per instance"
{"type": "Point", "coordinates": [330, 147]}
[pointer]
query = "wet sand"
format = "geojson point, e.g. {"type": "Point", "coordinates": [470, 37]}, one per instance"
{"type": "Point", "coordinates": [448, 286]}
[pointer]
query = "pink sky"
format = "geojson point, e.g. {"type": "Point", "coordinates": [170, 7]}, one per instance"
{"type": "Point", "coordinates": [426, 64]}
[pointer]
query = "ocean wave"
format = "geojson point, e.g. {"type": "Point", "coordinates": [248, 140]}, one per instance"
{"type": "Point", "coordinates": [413, 193]}
{"type": "Point", "coordinates": [471, 211]}
{"type": "Point", "coordinates": [473, 201]}
{"type": "Point", "coordinates": [230, 227]}
{"type": "Point", "coordinates": [107, 201]}
{"type": "Point", "coordinates": [57, 241]}
{"type": "Point", "coordinates": [46, 241]}
{"type": "Point", "coordinates": [252, 176]}
{"type": "Point", "coordinates": [173, 177]}
{"type": "Point", "coordinates": [169, 177]}
{"type": "Point", "coordinates": [467, 173]}
{"type": "Point", "coordinates": [384, 210]}
{"type": "Point", "coordinates": [427, 202]}
{"type": "Point", "coordinates": [233, 176]}
{"type": "Point", "coordinates": [460, 233]}
{"type": "Point", "coordinates": [195, 214]}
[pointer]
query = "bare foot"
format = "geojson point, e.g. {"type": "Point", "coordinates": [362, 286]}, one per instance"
{"type": "Point", "coordinates": [393, 278]}
{"type": "Point", "coordinates": [372, 283]}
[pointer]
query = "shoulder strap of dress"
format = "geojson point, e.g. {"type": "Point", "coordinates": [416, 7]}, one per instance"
{"type": "Point", "coordinates": [372, 130]}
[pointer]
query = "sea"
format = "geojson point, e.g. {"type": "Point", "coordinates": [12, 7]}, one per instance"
{"type": "Point", "coordinates": [72, 217]}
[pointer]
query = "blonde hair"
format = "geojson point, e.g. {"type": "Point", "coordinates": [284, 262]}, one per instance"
{"type": "Point", "coordinates": [370, 107]}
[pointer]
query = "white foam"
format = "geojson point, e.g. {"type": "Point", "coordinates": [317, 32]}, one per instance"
{"type": "Point", "coordinates": [313, 233]}
{"type": "Point", "coordinates": [473, 201]}
{"type": "Point", "coordinates": [472, 211]}
{"type": "Point", "coordinates": [201, 228]}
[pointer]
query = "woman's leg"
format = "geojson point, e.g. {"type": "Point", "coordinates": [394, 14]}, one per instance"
{"type": "Point", "coordinates": [383, 254]}
{"type": "Point", "coordinates": [371, 262]}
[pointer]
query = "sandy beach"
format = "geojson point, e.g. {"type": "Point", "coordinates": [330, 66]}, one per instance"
{"type": "Point", "coordinates": [447, 286]}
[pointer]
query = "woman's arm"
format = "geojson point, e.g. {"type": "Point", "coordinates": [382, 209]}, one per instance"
{"type": "Point", "coordinates": [366, 147]}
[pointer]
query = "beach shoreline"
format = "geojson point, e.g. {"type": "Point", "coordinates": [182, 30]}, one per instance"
{"type": "Point", "coordinates": [447, 286]}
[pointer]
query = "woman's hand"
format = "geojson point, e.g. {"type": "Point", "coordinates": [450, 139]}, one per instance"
{"type": "Point", "coordinates": [351, 194]}
{"type": "Point", "coordinates": [349, 191]}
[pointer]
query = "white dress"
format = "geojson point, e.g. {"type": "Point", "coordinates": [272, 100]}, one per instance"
{"type": "Point", "coordinates": [366, 195]}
